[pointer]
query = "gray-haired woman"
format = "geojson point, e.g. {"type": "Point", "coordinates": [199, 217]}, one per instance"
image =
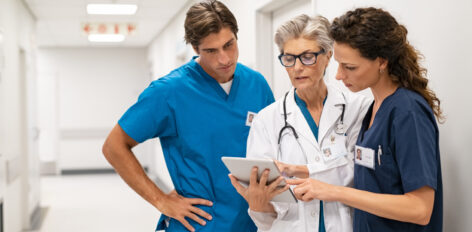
{"type": "Point", "coordinates": [311, 118]}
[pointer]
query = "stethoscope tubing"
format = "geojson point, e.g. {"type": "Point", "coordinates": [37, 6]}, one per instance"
{"type": "Point", "coordinates": [339, 127]}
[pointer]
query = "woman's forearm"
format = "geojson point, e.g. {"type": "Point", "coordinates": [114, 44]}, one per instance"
{"type": "Point", "coordinates": [414, 207]}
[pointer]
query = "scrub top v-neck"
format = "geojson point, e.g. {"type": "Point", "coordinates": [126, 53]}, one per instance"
{"type": "Point", "coordinates": [216, 86]}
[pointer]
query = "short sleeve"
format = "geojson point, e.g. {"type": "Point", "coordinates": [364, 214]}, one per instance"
{"type": "Point", "coordinates": [270, 96]}
{"type": "Point", "coordinates": [264, 88]}
{"type": "Point", "coordinates": [151, 116]}
{"type": "Point", "coordinates": [415, 149]}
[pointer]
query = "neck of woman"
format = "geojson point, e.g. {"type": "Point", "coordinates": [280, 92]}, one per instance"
{"type": "Point", "coordinates": [382, 89]}
{"type": "Point", "coordinates": [313, 96]}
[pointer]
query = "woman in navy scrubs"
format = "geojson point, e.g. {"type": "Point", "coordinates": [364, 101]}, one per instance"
{"type": "Point", "coordinates": [397, 179]}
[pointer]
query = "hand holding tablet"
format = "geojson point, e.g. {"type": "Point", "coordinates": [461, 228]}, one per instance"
{"type": "Point", "coordinates": [241, 168]}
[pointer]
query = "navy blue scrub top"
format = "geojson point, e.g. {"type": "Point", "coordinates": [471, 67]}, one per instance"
{"type": "Point", "coordinates": [198, 123]}
{"type": "Point", "coordinates": [314, 128]}
{"type": "Point", "coordinates": [405, 128]}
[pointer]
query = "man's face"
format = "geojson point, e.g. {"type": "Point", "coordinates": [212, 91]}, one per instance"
{"type": "Point", "coordinates": [219, 54]}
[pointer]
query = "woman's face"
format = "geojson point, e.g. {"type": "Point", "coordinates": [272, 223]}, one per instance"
{"type": "Point", "coordinates": [303, 76]}
{"type": "Point", "coordinates": [357, 72]}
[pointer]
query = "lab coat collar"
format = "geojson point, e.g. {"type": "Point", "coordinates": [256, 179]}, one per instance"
{"type": "Point", "coordinates": [331, 112]}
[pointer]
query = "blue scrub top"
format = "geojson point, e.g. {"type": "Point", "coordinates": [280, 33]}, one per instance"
{"type": "Point", "coordinates": [198, 123]}
{"type": "Point", "coordinates": [406, 130]}
{"type": "Point", "coordinates": [314, 128]}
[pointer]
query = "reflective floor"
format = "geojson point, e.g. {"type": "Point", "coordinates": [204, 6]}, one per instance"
{"type": "Point", "coordinates": [93, 203]}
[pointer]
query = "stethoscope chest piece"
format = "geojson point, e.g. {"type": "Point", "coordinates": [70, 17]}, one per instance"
{"type": "Point", "coordinates": [339, 128]}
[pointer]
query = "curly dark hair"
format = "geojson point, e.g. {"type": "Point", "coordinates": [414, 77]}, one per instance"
{"type": "Point", "coordinates": [376, 33]}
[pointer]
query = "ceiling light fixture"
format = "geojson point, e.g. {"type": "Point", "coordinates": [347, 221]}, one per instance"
{"type": "Point", "coordinates": [106, 38]}
{"type": "Point", "coordinates": [112, 9]}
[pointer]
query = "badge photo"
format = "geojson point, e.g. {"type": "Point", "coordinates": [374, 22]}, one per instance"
{"type": "Point", "coordinates": [250, 116]}
{"type": "Point", "coordinates": [365, 157]}
{"type": "Point", "coordinates": [336, 148]}
{"type": "Point", "coordinates": [327, 152]}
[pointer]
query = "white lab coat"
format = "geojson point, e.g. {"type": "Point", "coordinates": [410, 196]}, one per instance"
{"type": "Point", "coordinates": [262, 143]}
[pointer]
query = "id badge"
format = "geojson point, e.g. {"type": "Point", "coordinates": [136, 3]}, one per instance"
{"type": "Point", "coordinates": [250, 116]}
{"type": "Point", "coordinates": [335, 148]}
{"type": "Point", "coordinates": [365, 157]}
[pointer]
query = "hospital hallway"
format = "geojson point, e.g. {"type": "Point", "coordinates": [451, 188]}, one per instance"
{"type": "Point", "coordinates": [93, 203]}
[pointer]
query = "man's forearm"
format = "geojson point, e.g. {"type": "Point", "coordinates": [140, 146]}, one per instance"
{"type": "Point", "coordinates": [120, 156]}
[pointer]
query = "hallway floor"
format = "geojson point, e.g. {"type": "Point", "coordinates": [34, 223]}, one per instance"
{"type": "Point", "coordinates": [93, 203]}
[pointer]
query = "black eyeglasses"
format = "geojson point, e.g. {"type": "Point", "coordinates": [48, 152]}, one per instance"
{"type": "Point", "coordinates": [307, 58]}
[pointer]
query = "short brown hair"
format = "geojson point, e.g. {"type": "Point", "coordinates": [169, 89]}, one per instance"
{"type": "Point", "coordinates": [207, 17]}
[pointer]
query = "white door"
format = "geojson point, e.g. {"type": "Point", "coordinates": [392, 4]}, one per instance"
{"type": "Point", "coordinates": [31, 133]}
{"type": "Point", "coordinates": [281, 82]}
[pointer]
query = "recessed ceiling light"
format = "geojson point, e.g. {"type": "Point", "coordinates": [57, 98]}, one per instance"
{"type": "Point", "coordinates": [112, 9]}
{"type": "Point", "coordinates": [110, 38]}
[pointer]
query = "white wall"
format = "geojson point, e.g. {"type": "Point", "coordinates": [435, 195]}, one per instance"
{"type": "Point", "coordinates": [18, 26]}
{"type": "Point", "coordinates": [245, 13]}
{"type": "Point", "coordinates": [83, 93]}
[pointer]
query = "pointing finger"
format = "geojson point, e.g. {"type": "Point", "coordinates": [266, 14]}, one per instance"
{"type": "Point", "coordinates": [295, 181]}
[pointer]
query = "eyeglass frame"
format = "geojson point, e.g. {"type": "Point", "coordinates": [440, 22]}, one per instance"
{"type": "Point", "coordinates": [322, 51]}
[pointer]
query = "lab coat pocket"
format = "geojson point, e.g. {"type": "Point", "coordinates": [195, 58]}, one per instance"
{"type": "Point", "coordinates": [338, 172]}
{"type": "Point", "coordinates": [338, 162]}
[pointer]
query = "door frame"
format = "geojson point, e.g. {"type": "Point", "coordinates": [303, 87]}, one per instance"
{"type": "Point", "coordinates": [264, 33]}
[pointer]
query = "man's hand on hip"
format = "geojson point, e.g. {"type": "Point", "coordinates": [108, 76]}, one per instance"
{"type": "Point", "coordinates": [179, 207]}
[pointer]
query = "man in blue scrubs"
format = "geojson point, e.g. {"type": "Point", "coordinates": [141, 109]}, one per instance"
{"type": "Point", "coordinates": [200, 111]}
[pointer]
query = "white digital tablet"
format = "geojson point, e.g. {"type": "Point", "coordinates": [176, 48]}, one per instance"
{"type": "Point", "coordinates": [241, 169]}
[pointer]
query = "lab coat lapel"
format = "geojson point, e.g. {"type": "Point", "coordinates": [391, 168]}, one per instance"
{"type": "Point", "coordinates": [332, 110]}
{"type": "Point", "coordinates": [297, 120]}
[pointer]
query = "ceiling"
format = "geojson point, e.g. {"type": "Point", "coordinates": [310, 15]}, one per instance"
{"type": "Point", "coordinates": [59, 22]}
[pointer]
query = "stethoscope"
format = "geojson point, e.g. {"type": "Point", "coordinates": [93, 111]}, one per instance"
{"type": "Point", "coordinates": [339, 128]}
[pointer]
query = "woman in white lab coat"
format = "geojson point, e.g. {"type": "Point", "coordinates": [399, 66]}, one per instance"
{"type": "Point", "coordinates": [326, 122]}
